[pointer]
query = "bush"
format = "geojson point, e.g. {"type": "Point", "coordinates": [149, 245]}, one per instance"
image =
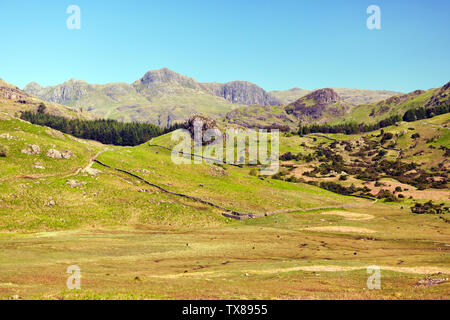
{"type": "Point", "coordinates": [387, 136]}
{"type": "Point", "coordinates": [429, 208]}
{"type": "Point", "coordinates": [3, 151]}
{"type": "Point", "coordinates": [42, 108]}
{"type": "Point", "coordinates": [387, 196]}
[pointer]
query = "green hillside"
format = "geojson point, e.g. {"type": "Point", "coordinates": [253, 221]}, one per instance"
{"type": "Point", "coordinates": [400, 104]}
{"type": "Point", "coordinates": [133, 241]}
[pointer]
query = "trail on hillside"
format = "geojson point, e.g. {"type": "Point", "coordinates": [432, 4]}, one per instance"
{"type": "Point", "coordinates": [91, 162]}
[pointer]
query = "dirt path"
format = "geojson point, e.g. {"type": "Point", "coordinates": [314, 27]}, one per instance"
{"type": "Point", "coordinates": [89, 165]}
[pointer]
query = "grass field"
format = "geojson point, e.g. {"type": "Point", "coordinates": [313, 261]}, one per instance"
{"type": "Point", "coordinates": [133, 241]}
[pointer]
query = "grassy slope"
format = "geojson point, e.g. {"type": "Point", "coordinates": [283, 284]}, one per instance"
{"type": "Point", "coordinates": [33, 188]}
{"type": "Point", "coordinates": [436, 127]}
{"type": "Point", "coordinates": [132, 244]}
{"type": "Point", "coordinates": [135, 107]}
{"type": "Point", "coordinates": [12, 108]}
{"type": "Point", "coordinates": [387, 108]}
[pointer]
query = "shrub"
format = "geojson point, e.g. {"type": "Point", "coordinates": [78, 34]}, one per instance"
{"type": "Point", "coordinates": [42, 108]}
{"type": "Point", "coordinates": [387, 136]}
{"type": "Point", "coordinates": [387, 196]}
{"type": "Point", "coordinates": [3, 151]}
{"type": "Point", "coordinates": [429, 208]}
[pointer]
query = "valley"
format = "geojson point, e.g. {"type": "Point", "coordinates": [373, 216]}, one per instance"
{"type": "Point", "coordinates": [141, 227]}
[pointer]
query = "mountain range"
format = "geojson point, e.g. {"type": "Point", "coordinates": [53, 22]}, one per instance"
{"type": "Point", "coordinates": [164, 96]}
{"type": "Point", "coordinates": [327, 106]}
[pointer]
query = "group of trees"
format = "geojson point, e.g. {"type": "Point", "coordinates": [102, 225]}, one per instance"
{"type": "Point", "coordinates": [105, 131]}
{"type": "Point", "coordinates": [347, 128]}
{"type": "Point", "coordinates": [353, 127]}
{"type": "Point", "coordinates": [422, 113]}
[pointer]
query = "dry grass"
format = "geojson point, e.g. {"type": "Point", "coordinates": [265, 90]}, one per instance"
{"type": "Point", "coordinates": [350, 215]}
{"type": "Point", "coordinates": [343, 229]}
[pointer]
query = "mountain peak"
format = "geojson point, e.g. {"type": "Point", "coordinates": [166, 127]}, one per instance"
{"type": "Point", "coordinates": [163, 76]}
{"type": "Point", "coordinates": [241, 92]}
{"type": "Point", "coordinates": [318, 105]}
{"type": "Point", "coordinates": [324, 96]}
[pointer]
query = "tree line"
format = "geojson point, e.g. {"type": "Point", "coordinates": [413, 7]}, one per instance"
{"type": "Point", "coordinates": [354, 128]}
{"type": "Point", "coordinates": [102, 130]}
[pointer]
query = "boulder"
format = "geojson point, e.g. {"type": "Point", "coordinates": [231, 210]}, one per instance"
{"type": "Point", "coordinates": [56, 154]}
{"type": "Point", "coordinates": [204, 123]}
{"type": "Point", "coordinates": [6, 136]}
{"type": "Point", "coordinates": [75, 183]}
{"type": "Point", "coordinates": [32, 149]}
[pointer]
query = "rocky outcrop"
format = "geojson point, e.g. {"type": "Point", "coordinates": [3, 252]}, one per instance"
{"type": "Point", "coordinates": [65, 93]}
{"type": "Point", "coordinates": [12, 93]}
{"type": "Point", "coordinates": [242, 92]}
{"type": "Point", "coordinates": [155, 78]}
{"type": "Point", "coordinates": [75, 183]}
{"type": "Point", "coordinates": [324, 96]}
{"type": "Point", "coordinates": [202, 122]}
{"type": "Point", "coordinates": [316, 103]}
{"type": "Point", "coordinates": [56, 154]}
{"type": "Point", "coordinates": [32, 149]}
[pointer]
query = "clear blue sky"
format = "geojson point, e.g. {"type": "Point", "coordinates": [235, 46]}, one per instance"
{"type": "Point", "coordinates": [275, 44]}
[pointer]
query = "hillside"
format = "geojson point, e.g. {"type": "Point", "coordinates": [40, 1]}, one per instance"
{"type": "Point", "coordinates": [13, 101]}
{"type": "Point", "coordinates": [327, 106]}
{"type": "Point", "coordinates": [160, 96]}
{"type": "Point", "coordinates": [410, 155]}
{"type": "Point", "coordinates": [400, 104]}
{"type": "Point", "coordinates": [320, 106]}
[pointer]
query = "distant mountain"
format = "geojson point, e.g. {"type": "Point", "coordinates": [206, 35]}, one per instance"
{"type": "Point", "coordinates": [354, 96]}
{"type": "Point", "coordinates": [13, 101]}
{"type": "Point", "coordinates": [327, 105]}
{"type": "Point", "coordinates": [160, 96]}
{"type": "Point", "coordinates": [316, 107]}
{"type": "Point", "coordinates": [242, 92]}
{"type": "Point", "coordinates": [164, 96]}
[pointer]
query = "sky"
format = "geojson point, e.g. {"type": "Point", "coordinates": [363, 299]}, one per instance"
{"type": "Point", "coordinates": [276, 44]}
